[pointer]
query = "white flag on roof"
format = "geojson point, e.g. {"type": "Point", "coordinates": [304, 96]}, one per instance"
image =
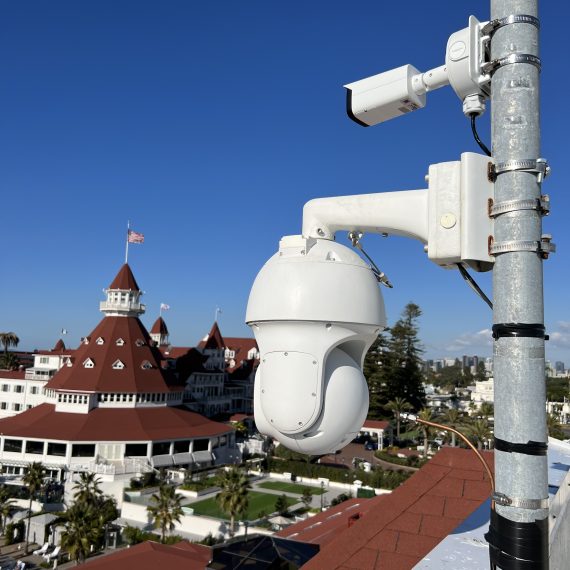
{"type": "Point", "coordinates": [164, 307]}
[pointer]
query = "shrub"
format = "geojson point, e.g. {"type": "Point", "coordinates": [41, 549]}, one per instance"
{"type": "Point", "coordinates": [14, 532]}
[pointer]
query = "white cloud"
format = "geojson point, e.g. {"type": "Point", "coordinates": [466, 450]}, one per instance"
{"type": "Point", "coordinates": [471, 342]}
{"type": "Point", "coordinates": [560, 338]}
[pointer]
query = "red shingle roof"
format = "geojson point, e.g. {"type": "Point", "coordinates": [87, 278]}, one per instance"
{"type": "Point", "coordinates": [376, 424]}
{"type": "Point", "coordinates": [406, 525]}
{"type": "Point", "coordinates": [159, 327]}
{"type": "Point", "coordinates": [132, 354]}
{"type": "Point", "coordinates": [326, 526]}
{"type": "Point", "coordinates": [12, 374]}
{"type": "Point", "coordinates": [111, 424]}
{"type": "Point", "coordinates": [152, 555]}
{"type": "Point", "coordinates": [125, 280]}
{"type": "Point", "coordinates": [59, 346]}
{"type": "Point", "coordinates": [214, 340]}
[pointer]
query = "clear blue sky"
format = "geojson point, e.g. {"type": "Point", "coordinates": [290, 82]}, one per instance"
{"type": "Point", "coordinates": [209, 125]}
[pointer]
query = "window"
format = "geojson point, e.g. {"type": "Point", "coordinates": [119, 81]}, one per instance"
{"type": "Point", "coordinates": [85, 340]}
{"type": "Point", "coordinates": [18, 388]}
{"type": "Point", "coordinates": [3, 406]}
{"type": "Point", "coordinates": [17, 407]}
{"type": "Point", "coordinates": [146, 365]}
{"type": "Point", "coordinates": [182, 446]}
{"type": "Point", "coordinates": [34, 390]}
{"type": "Point", "coordinates": [36, 447]}
{"type": "Point", "coordinates": [139, 342]}
{"type": "Point", "coordinates": [118, 365]}
{"type": "Point", "coordinates": [120, 342]}
{"type": "Point", "coordinates": [136, 450]}
{"type": "Point", "coordinates": [201, 445]}
{"type": "Point", "coordinates": [100, 340]}
{"type": "Point", "coordinates": [14, 445]}
{"type": "Point", "coordinates": [88, 363]}
{"type": "Point", "coordinates": [162, 448]}
{"type": "Point", "coordinates": [5, 388]}
{"type": "Point", "coordinates": [57, 449]}
{"type": "Point", "coordinates": [44, 359]}
{"type": "Point", "coordinates": [83, 450]}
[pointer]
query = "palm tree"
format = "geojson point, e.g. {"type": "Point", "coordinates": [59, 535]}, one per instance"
{"type": "Point", "coordinates": [553, 425]}
{"type": "Point", "coordinates": [87, 489]}
{"type": "Point", "coordinates": [7, 503]}
{"type": "Point", "coordinates": [166, 509]}
{"type": "Point", "coordinates": [480, 432]}
{"type": "Point", "coordinates": [33, 479]}
{"type": "Point", "coordinates": [426, 415]}
{"type": "Point", "coordinates": [487, 410]}
{"type": "Point", "coordinates": [452, 418]}
{"type": "Point", "coordinates": [233, 497]}
{"type": "Point", "coordinates": [81, 531]}
{"type": "Point", "coordinates": [8, 339]}
{"type": "Point", "coordinates": [397, 406]}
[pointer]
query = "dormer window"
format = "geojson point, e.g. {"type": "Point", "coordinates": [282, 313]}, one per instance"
{"type": "Point", "coordinates": [85, 340]}
{"type": "Point", "coordinates": [120, 342]}
{"type": "Point", "coordinates": [100, 340]}
{"type": "Point", "coordinates": [118, 365]}
{"type": "Point", "coordinates": [139, 342]}
{"type": "Point", "coordinates": [146, 365]}
{"type": "Point", "coordinates": [88, 363]}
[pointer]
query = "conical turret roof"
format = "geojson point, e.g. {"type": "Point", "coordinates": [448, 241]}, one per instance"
{"type": "Point", "coordinates": [159, 327]}
{"type": "Point", "coordinates": [125, 280]}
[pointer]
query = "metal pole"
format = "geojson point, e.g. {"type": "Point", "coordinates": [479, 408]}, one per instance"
{"type": "Point", "coordinates": [518, 536]}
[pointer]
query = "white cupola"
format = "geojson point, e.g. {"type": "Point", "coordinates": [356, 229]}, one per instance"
{"type": "Point", "coordinates": [123, 296]}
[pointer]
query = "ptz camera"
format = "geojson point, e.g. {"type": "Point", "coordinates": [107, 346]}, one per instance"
{"type": "Point", "coordinates": [315, 308]}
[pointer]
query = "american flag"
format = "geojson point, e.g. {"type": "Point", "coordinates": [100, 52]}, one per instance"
{"type": "Point", "coordinates": [135, 237]}
{"type": "Point", "coordinates": [164, 307]}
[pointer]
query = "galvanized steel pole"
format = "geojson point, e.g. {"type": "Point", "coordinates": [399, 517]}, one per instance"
{"type": "Point", "coordinates": [518, 534]}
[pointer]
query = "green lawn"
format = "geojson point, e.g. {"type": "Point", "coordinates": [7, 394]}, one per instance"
{"type": "Point", "coordinates": [258, 502]}
{"type": "Point", "coordinates": [290, 487]}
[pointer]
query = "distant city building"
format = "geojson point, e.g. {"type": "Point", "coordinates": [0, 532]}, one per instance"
{"type": "Point", "coordinates": [484, 392]}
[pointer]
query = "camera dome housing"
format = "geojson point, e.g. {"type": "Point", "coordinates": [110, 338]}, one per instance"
{"type": "Point", "coordinates": [315, 308]}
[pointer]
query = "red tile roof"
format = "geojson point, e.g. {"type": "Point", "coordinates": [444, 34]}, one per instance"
{"type": "Point", "coordinates": [103, 377]}
{"type": "Point", "coordinates": [59, 346]}
{"type": "Point", "coordinates": [404, 526]}
{"type": "Point", "coordinates": [159, 327]}
{"type": "Point", "coordinates": [152, 555]}
{"type": "Point", "coordinates": [125, 280]}
{"type": "Point", "coordinates": [12, 374]}
{"type": "Point", "coordinates": [376, 424]}
{"type": "Point", "coordinates": [326, 526]}
{"type": "Point", "coordinates": [214, 340]}
{"type": "Point", "coordinates": [111, 424]}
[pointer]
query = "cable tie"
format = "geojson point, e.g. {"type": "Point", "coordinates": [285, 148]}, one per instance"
{"type": "Point", "coordinates": [542, 205]}
{"type": "Point", "coordinates": [533, 504]}
{"type": "Point", "coordinates": [492, 26]}
{"type": "Point", "coordinates": [528, 448]}
{"type": "Point", "coordinates": [509, 330]}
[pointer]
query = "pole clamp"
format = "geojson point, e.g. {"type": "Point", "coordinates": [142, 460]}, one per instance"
{"type": "Point", "coordinates": [491, 66]}
{"type": "Point", "coordinates": [492, 26]}
{"type": "Point", "coordinates": [538, 166]}
{"type": "Point", "coordinates": [541, 205]}
{"type": "Point", "coordinates": [544, 247]}
{"type": "Point", "coordinates": [533, 504]}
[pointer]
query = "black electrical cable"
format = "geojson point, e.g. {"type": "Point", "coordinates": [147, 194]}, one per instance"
{"type": "Point", "coordinates": [481, 144]}
{"type": "Point", "coordinates": [472, 283]}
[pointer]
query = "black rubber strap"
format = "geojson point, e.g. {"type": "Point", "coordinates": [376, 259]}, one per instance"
{"type": "Point", "coordinates": [532, 330]}
{"type": "Point", "coordinates": [517, 545]}
{"type": "Point", "coordinates": [528, 448]}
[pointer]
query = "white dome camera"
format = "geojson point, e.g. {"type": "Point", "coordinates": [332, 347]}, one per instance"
{"type": "Point", "coordinates": [315, 308]}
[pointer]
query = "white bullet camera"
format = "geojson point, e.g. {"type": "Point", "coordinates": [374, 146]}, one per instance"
{"type": "Point", "coordinates": [399, 91]}
{"type": "Point", "coordinates": [315, 308]}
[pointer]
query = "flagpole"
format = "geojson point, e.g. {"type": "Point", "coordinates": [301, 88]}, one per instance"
{"type": "Point", "coordinates": [127, 246]}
